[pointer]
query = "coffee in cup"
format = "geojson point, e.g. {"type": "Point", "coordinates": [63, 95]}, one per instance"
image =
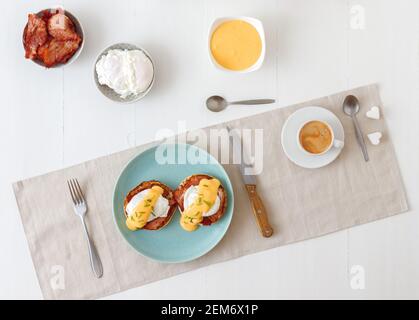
{"type": "Point", "coordinates": [316, 137]}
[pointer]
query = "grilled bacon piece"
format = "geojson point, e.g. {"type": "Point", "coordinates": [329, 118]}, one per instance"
{"type": "Point", "coordinates": [159, 222]}
{"type": "Point", "coordinates": [56, 51]}
{"type": "Point", "coordinates": [35, 35]}
{"type": "Point", "coordinates": [194, 181]}
{"type": "Point", "coordinates": [62, 28]}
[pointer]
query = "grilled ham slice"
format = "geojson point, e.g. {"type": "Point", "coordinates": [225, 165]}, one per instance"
{"type": "Point", "coordinates": [62, 28]}
{"type": "Point", "coordinates": [194, 181]}
{"type": "Point", "coordinates": [56, 51]}
{"type": "Point", "coordinates": [35, 35]}
{"type": "Point", "coordinates": [159, 222]}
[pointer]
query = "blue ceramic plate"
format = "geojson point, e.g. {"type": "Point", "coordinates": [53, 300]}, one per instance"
{"type": "Point", "coordinates": [171, 244]}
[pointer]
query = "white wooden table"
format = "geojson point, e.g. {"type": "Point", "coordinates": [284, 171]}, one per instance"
{"type": "Point", "coordinates": [50, 119]}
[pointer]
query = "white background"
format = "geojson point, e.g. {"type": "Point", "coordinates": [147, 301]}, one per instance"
{"type": "Point", "coordinates": [50, 119]}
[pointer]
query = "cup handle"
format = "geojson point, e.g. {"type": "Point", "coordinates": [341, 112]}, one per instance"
{"type": "Point", "coordinates": [338, 144]}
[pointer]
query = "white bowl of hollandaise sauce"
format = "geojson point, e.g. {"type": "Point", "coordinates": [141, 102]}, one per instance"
{"type": "Point", "coordinates": [237, 44]}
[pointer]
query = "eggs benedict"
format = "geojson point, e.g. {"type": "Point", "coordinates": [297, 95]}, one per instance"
{"type": "Point", "coordinates": [202, 200]}
{"type": "Point", "coordinates": [149, 206]}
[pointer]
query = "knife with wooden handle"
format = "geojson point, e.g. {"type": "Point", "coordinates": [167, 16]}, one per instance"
{"type": "Point", "coordinates": [259, 211]}
{"type": "Point", "coordinates": [249, 180]}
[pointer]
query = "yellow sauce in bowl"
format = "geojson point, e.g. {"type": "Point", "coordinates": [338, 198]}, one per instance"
{"type": "Point", "coordinates": [236, 45]}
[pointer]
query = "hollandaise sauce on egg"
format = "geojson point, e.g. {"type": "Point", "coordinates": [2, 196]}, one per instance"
{"type": "Point", "coordinates": [146, 206]}
{"type": "Point", "coordinates": [200, 201]}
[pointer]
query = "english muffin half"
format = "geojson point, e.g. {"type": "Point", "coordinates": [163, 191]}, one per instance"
{"type": "Point", "coordinates": [150, 206]}
{"type": "Point", "coordinates": [205, 196]}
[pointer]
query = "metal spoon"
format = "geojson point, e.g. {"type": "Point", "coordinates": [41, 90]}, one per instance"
{"type": "Point", "coordinates": [217, 103]}
{"type": "Point", "coordinates": [351, 108]}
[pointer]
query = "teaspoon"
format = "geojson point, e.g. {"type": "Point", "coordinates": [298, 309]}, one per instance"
{"type": "Point", "coordinates": [351, 108]}
{"type": "Point", "coordinates": [217, 103]}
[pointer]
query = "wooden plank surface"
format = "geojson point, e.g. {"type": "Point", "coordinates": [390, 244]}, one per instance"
{"type": "Point", "coordinates": [55, 118]}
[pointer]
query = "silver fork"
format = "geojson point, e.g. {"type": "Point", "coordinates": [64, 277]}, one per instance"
{"type": "Point", "coordinates": [80, 208]}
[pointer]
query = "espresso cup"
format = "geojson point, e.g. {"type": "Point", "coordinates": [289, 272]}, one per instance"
{"type": "Point", "coordinates": [316, 137]}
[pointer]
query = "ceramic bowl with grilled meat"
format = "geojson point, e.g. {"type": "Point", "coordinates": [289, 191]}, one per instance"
{"type": "Point", "coordinates": [52, 38]}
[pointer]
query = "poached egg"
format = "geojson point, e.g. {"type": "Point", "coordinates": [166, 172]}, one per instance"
{"type": "Point", "coordinates": [161, 207]}
{"type": "Point", "coordinates": [190, 196]}
{"type": "Point", "coordinates": [127, 72]}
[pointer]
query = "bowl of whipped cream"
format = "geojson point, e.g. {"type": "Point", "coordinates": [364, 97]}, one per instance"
{"type": "Point", "coordinates": [124, 72]}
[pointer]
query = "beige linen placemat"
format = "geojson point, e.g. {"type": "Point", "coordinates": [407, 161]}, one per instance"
{"type": "Point", "coordinates": [301, 203]}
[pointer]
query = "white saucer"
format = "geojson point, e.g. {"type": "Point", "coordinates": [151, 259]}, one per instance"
{"type": "Point", "coordinates": [289, 137]}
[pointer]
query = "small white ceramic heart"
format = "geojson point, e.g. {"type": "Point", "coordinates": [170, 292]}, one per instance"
{"type": "Point", "coordinates": [374, 113]}
{"type": "Point", "coordinates": [375, 137]}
